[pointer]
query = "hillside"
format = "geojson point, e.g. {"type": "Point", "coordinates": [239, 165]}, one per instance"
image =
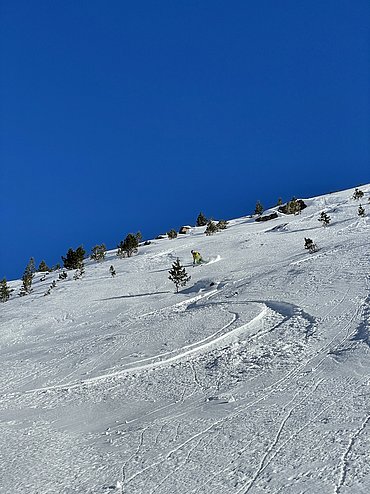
{"type": "Point", "coordinates": [253, 379]}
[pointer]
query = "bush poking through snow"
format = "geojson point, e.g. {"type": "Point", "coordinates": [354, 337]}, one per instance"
{"type": "Point", "coordinates": [324, 218]}
{"type": "Point", "coordinates": [172, 234]}
{"type": "Point", "coordinates": [74, 258]}
{"type": "Point", "coordinates": [5, 291]}
{"type": "Point", "coordinates": [294, 206]}
{"type": "Point", "coordinates": [222, 225]}
{"type": "Point", "coordinates": [357, 194]}
{"type": "Point", "coordinates": [201, 220]}
{"type": "Point", "coordinates": [112, 271]}
{"type": "Point", "coordinates": [211, 228]}
{"type": "Point", "coordinates": [361, 211]}
{"type": "Point", "coordinates": [63, 275]}
{"type": "Point", "coordinates": [178, 275]}
{"type": "Point", "coordinates": [98, 253]}
{"type": "Point", "coordinates": [310, 245]}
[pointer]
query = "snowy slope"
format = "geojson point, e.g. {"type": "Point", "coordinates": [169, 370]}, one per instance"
{"type": "Point", "coordinates": [254, 379]}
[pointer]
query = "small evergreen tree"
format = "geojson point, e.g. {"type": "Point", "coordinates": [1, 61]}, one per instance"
{"type": "Point", "coordinates": [5, 291]}
{"type": "Point", "coordinates": [63, 275]}
{"type": "Point", "coordinates": [357, 194]}
{"type": "Point", "coordinates": [112, 271]}
{"type": "Point", "coordinates": [178, 275]}
{"type": "Point", "coordinates": [79, 273]}
{"type": "Point", "coordinates": [128, 246]}
{"type": "Point", "coordinates": [324, 218]}
{"type": "Point", "coordinates": [27, 278]}
{"type": "Point", "coordinates": [139, 237]}
{"type": "Point", "coordinates": [279, 202]}
{"type": "Point", "coordinates": [310, 245]}
{"type": "Point", "coordinates": [259, 208]}
{"type": "Point", "coordinates": [98, 253]}
{"type": "Point", "coordinates": [74, 258]}
{"type": "Point", "coordinates": [172, 234]}
{"type": "Point", "coordinates": [201, 220]}
{"type": "Point", "coordinates": [56, 267]}
{"type": "Point", "coordinates": [361, 211]}
{"type": "Point", "coordinates": [211, 228]}
{"type": "Point", "coordinates": [43, 267]}
{"type": "Point", "coordinates": [222, 225]}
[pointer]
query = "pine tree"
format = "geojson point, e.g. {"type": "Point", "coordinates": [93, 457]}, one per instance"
{"type": "Point", "coordinates": [222, 225]}
{"type": "Point", "coordinates": [139, 237]}
{"type": "Point", "coordinates": [357, 194]}
{"type": "Point", "coordinates": [27, 278]}
{"type": "Point", "coordinates": [324, 218]}
{"type": "Point", "coordinates": [279, 202]}
{"type": "Point", "coordinates": [112, 271]}
{"type": "Point", "coordinates": [310, 245]}
{"type": "Point", "coordinates": [178, 275]}
{"type": "Point", "coordinates": [43, 267]}
{"type": "Point", "coordinates": [201, 220]}
{"type": "Point", "coordinates": [5, 291]}
{"type": "Point", "coordinates": [172, 234]}
{"type": "Point", "coordinates": [74, 258]}
{"type": "Point", "coordinates": [259, 208]}
{"type": "Point", "coordinates": [98, 253]}
{"type": "Point", "coordinates": [128, 246]}
{"type": "Point", "coordinates": [211, 228]}
{"type": "Point", "coordinates": [361, 211]}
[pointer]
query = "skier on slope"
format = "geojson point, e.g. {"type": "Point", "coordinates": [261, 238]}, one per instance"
{"type": "Point", "coordinates": [197, 258]}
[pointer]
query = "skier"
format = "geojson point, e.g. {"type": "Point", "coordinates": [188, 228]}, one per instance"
{"type": "Point", "coordinates": [197, 258]}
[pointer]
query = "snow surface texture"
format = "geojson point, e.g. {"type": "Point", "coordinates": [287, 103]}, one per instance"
{"type": "Point", "coordinates": [254, 379]}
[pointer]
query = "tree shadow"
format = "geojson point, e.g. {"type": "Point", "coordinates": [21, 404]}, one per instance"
{"type": "Point", "coordinates": [133, 296]}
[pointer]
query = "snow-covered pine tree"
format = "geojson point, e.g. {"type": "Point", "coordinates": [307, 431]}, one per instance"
{"type": "Point", "coordinates": [361, 211]}
{"type": "Point", "coordinates": [324, 218]}
{"type": "Point", "coordinates": [27, 278]}
{"type": "Point", "coordinates": [5, 291]}
{"type": "Point", "coordinates": [201, 220]}
{"type": "Point", "coordinates": [178, 275]}
{"type": "Point", "coordinates": [98, 253]}
{"type": "Point", "coordinates": [259, 208]}
{"type": "Point", "coordinates": [211, 228]}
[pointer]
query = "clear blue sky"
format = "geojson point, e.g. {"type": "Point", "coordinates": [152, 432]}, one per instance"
{"type": "Point", "coordinates": [120, 116]}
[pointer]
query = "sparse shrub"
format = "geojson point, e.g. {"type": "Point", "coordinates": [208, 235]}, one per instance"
{"type": "Point", "coordinates": [128, 246]}
{"type": "Point", "coordinates": [98, 253]}
{"type": "Point", "coordinates": [27, 278]}
{"type": "Point", "coordinates": [79, 273]}
{"type": "Point", "coordinates": [310, 245]}
{"type": "Point", "coordinates": [56, 267]}
{"type": "Point", "coordinates": [172, 234]}
{"type": "Point", "coordinates": [222, 225]}
{"type": "Point", "coordinates": [267, 217]}
{"type": "Point", "coordinates": [5, 291]}
{"type": "Point", "coordinates": [74, 258]}
{"type": "Point", "coordinates": [211, 228]}
{"type": "Point", "coordinates": [294, 206]}
{"type": "Point", "coordinates": [63, 275]}
{"type": "Point", "coordinates": [112, 271]}
{"type": "Point", "coordinates": [259, 208]}
{"type": "Point", "coordinates": [357, 194]}
{"type": "Point", "coordinates": [178, 275]}
{"type": "Point", "coordinates": [201, 220]}
{"type": "Point", "coordinates": [324, 218]}
{"type": "Point", "coordinates": [279, 202]}
{"type": "Point", "coordinates": [43, 267]}
{"type": "Point", "coordinates": [361, 211]}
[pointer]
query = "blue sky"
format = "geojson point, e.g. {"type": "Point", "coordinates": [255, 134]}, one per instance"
{"type": "Point", "coordinates": [123, 116]}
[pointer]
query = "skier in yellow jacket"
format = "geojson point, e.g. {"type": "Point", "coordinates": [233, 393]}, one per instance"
{"type": "Point", "coordinates": [197, 258]}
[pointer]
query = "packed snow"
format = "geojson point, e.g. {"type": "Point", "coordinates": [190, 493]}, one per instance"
{"type": "Point", "coordinates": [253, 379]}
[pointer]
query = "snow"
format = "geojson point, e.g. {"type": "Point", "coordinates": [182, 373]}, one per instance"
{"type": "Point", "coordinates": [253, 379]}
